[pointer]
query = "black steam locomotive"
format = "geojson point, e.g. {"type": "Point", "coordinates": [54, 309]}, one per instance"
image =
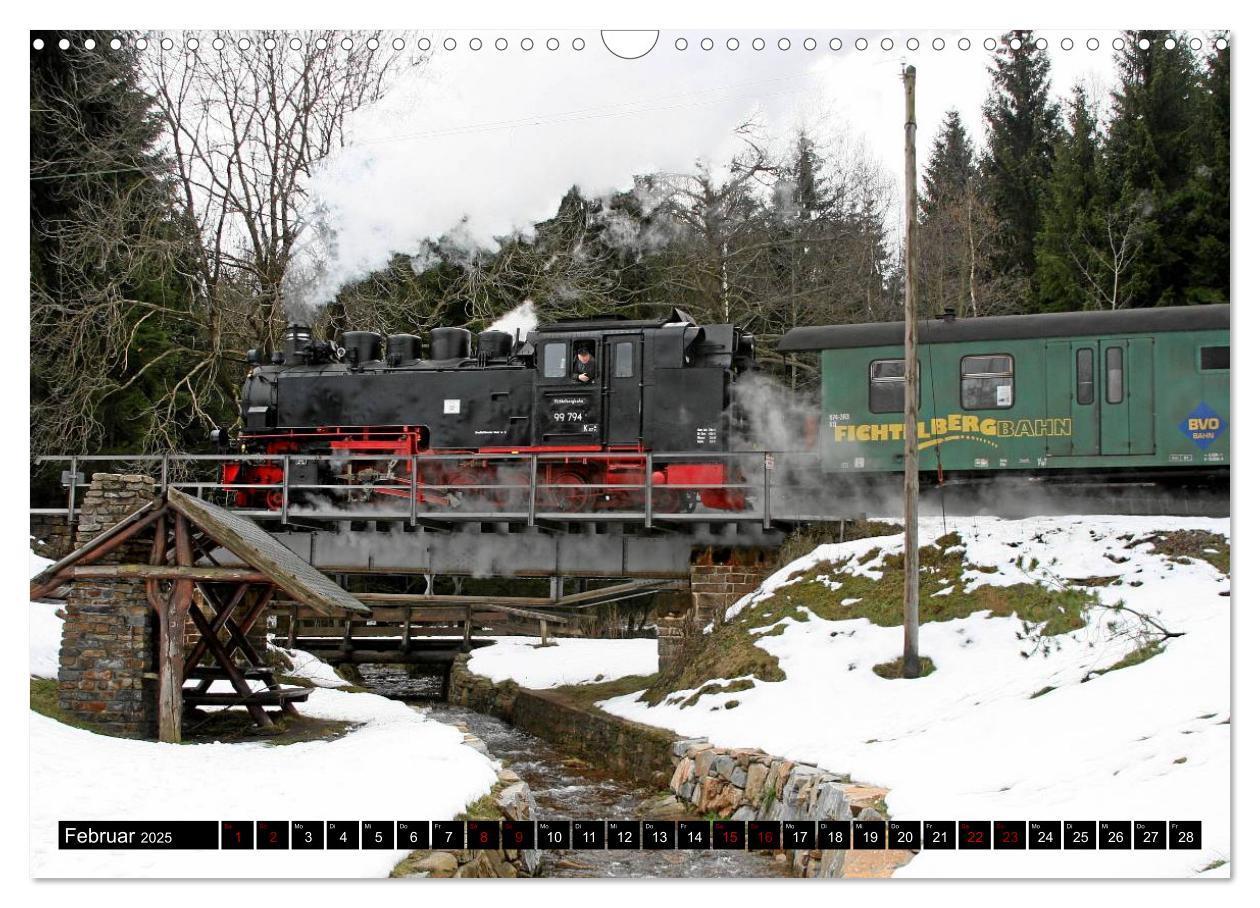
{"type": "Point", "coordinates": [592, 398]}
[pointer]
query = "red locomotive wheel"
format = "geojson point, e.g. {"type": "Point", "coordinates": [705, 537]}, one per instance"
{"type": "Point", "coordinates": [461, 498]}
{"type": "Point", "coordinates": [572, 496]}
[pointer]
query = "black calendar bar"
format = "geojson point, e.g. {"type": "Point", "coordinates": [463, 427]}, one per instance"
{"type": "Point", "coordinates": [634, 835]}
{"type": "Point", "coordinates": [160, 835]}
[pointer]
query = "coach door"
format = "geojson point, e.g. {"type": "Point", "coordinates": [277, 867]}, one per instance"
{"type": "Point", "coordinates": [1127, 395]}
{"type": "Point", "coordinates": [623, 363]}
{"type": "Point", "coordinates": [1072, 392]}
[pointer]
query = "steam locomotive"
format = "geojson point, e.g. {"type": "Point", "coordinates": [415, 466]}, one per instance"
{"type": "Point", "coordinates": [583, 403]}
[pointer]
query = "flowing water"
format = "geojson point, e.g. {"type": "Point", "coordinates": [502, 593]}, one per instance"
{"type": "Point", "coordinates": [565, 788]}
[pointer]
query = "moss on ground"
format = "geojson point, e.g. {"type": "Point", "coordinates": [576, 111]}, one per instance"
{"type": "Point", "coordinates": [731, 650]}
{"type": "Point", "coordinates": [1182, 545]}
{"type": "Point", "coordinates": [892, 670]}
{"type": "Point", "coordinates": [484, 808]}
{"type": "Point", "coordinates": [222, 725]}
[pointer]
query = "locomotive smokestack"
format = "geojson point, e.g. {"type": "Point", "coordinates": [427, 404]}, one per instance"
{"type": "Point", "coordinates": [297, 341]}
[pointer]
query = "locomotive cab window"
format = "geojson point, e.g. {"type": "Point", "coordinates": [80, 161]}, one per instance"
{"type": "Point", "coordinates": [988, 382]}
{"type": "Point", "coordinates": [1212, 359]}
{"type": "Point", "coordinates": [887, 392]}
{"type": "Point", "coordinates": [584, 368]}
{"type": "Point", "coordinates": [555, 362]}
{"type": "Point", "coordinates": [623, 360]}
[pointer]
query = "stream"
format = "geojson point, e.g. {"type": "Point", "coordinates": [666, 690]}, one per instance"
{"type": "Point", "coordinates": [565, 788]}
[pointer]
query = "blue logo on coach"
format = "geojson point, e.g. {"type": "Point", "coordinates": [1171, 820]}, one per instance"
{"type": "Point", "coordinates": [1203, 426]}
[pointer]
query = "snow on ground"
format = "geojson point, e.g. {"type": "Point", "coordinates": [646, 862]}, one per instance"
{"type": "Point", "coordinates": [45, 629]}
{"type": "Point", "coordinates": [570, 661]}
{"type": "Point", "coordinates": [1145, 742]}
{"type": "Point", "coordinates": [396, 764]}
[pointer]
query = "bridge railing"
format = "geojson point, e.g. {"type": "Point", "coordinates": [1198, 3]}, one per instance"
{"type": "Point", "coordinates": [764, 486]}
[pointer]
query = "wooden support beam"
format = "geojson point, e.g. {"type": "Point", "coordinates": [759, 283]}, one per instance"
{"type": "Point", "coordinates": [171, 643]}
{"type": "Point", "coordinates": [467, 629]}
{"type": "Point", "coordinates": [51, 578]}
{"type": "Point", "coordinates": [424, 599]}
{"type": "Point", "coordinates": [235, 676]}
{"type": "Point", "coordinates": [194, 573]}
{"type": "Point", "coordinates": [200, 647]}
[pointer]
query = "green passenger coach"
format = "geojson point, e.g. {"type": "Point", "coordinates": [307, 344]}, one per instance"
{"type": "Point", "coordinates": [1139, 391]}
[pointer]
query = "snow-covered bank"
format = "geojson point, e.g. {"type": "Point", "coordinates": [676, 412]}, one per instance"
{"type": "Point", "coordinates": [395, 764]}
{"type": "Point", "coordinates": [1150, 741]}
{"type": "Point", "coordinates": [570, 661]}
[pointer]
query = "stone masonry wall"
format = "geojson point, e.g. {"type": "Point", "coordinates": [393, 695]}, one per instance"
{"type": "Point", "coordinates": [748, 784]}
{"type": "Point", "coordinates": [628, 749]}
{"type": "Point", "coordinates": [52, 536]}
{"type": "Point", "coordinates": [714, 589]}
{"type": "Point", "coordinates": [107, 639]}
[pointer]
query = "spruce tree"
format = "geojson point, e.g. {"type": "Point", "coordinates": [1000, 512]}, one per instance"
{"type": "Point", "coordinates": [1209, 219]}
{"type": "Point", "coordinates": [1021, 122]}
{"type": "Point", "coordinates": [1066, 265]}
{"type": "Point", "coordinates": [1152, 154]}
{"type": "Point", "coordinates": [947, 214]}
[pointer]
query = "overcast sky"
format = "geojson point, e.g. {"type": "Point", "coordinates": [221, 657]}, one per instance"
{"type": "Point", "coordinates": [497, 136]}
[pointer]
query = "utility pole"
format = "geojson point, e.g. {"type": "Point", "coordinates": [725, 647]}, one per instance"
{"type": "Point", "coordinates": [910, 654]}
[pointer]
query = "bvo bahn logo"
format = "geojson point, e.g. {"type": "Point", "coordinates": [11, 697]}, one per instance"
{"type": "Point", "coordinates": [1203, 426]}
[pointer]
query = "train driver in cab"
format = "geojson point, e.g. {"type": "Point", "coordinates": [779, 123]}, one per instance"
{"type": "Point", "coordinates": [584, 363]}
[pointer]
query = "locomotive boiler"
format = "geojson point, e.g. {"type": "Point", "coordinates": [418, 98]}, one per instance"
{"type": "Point", "coordinates": [571, 415]}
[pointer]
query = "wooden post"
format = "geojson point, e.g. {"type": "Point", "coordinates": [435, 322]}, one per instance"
{"type": "Point", "coordinates": [467, 628]}
{"type": "Point", "coordinates": [542, 632]}
{"type": "Point", "coordinates": [910, 655]}
{"type": "Point", "coordinates": [171, 643]}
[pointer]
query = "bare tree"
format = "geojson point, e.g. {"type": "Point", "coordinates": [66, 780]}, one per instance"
{"type": "Point", "coordinates": [1104, 253]}
{"type": "Point", "coordinates": [248, 116]}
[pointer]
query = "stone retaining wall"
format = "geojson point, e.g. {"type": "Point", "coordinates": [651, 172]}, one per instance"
{"type": "Point", "coordinates": [748, 784]}
{"type": "Point", "coordinates": [627, 749]}
{"type": "Point", "coordinates": [509, 799]}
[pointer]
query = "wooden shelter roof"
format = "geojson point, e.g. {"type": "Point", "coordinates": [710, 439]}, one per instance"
{"type": "Point", "coordinates": [239, 535]}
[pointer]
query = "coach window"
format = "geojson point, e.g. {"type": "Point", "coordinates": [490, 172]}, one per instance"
{"type": "Point", "coordinates": [555, 362]}
{"type": "Point", "coordinates": [623, 360]}
{"type": "Point", "coordinates": [1085, 376]}
{"type": "Point", "coordinates": [988, 382]}
{"type": "Point", "coordinates": [1213, 359]}
{"type": "Point", "coordinates": [888, 386]}
{"type": "Point", "coordinates": [1115, 375]}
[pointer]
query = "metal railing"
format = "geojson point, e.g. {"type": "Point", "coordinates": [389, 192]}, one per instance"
{"type": "Point", "coordinates": [520, 490]}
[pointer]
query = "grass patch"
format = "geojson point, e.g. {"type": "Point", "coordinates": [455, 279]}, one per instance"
{"type": "Point", "coordinates": [805, 539]}
{"type": "Point", "coordinates": [1042, 692]}
{"type": "Point", "coordinates": [731, 650]}
{"type": "Point", "coordinates": [587, 695]}
{"type": "Point", "coordinates": [1178, 545]}
{"type": "Point", "coordinates": [44, 702]}
{"type": "Point", "coordinates": [1147, 650]}
{"type": "Point", "coordinates": [892, 670]}
{"type": "Point", "coordinates": [716, 688]}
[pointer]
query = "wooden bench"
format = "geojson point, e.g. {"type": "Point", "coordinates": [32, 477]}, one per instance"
{"type": "Point", "coordinates": [276, 697]}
